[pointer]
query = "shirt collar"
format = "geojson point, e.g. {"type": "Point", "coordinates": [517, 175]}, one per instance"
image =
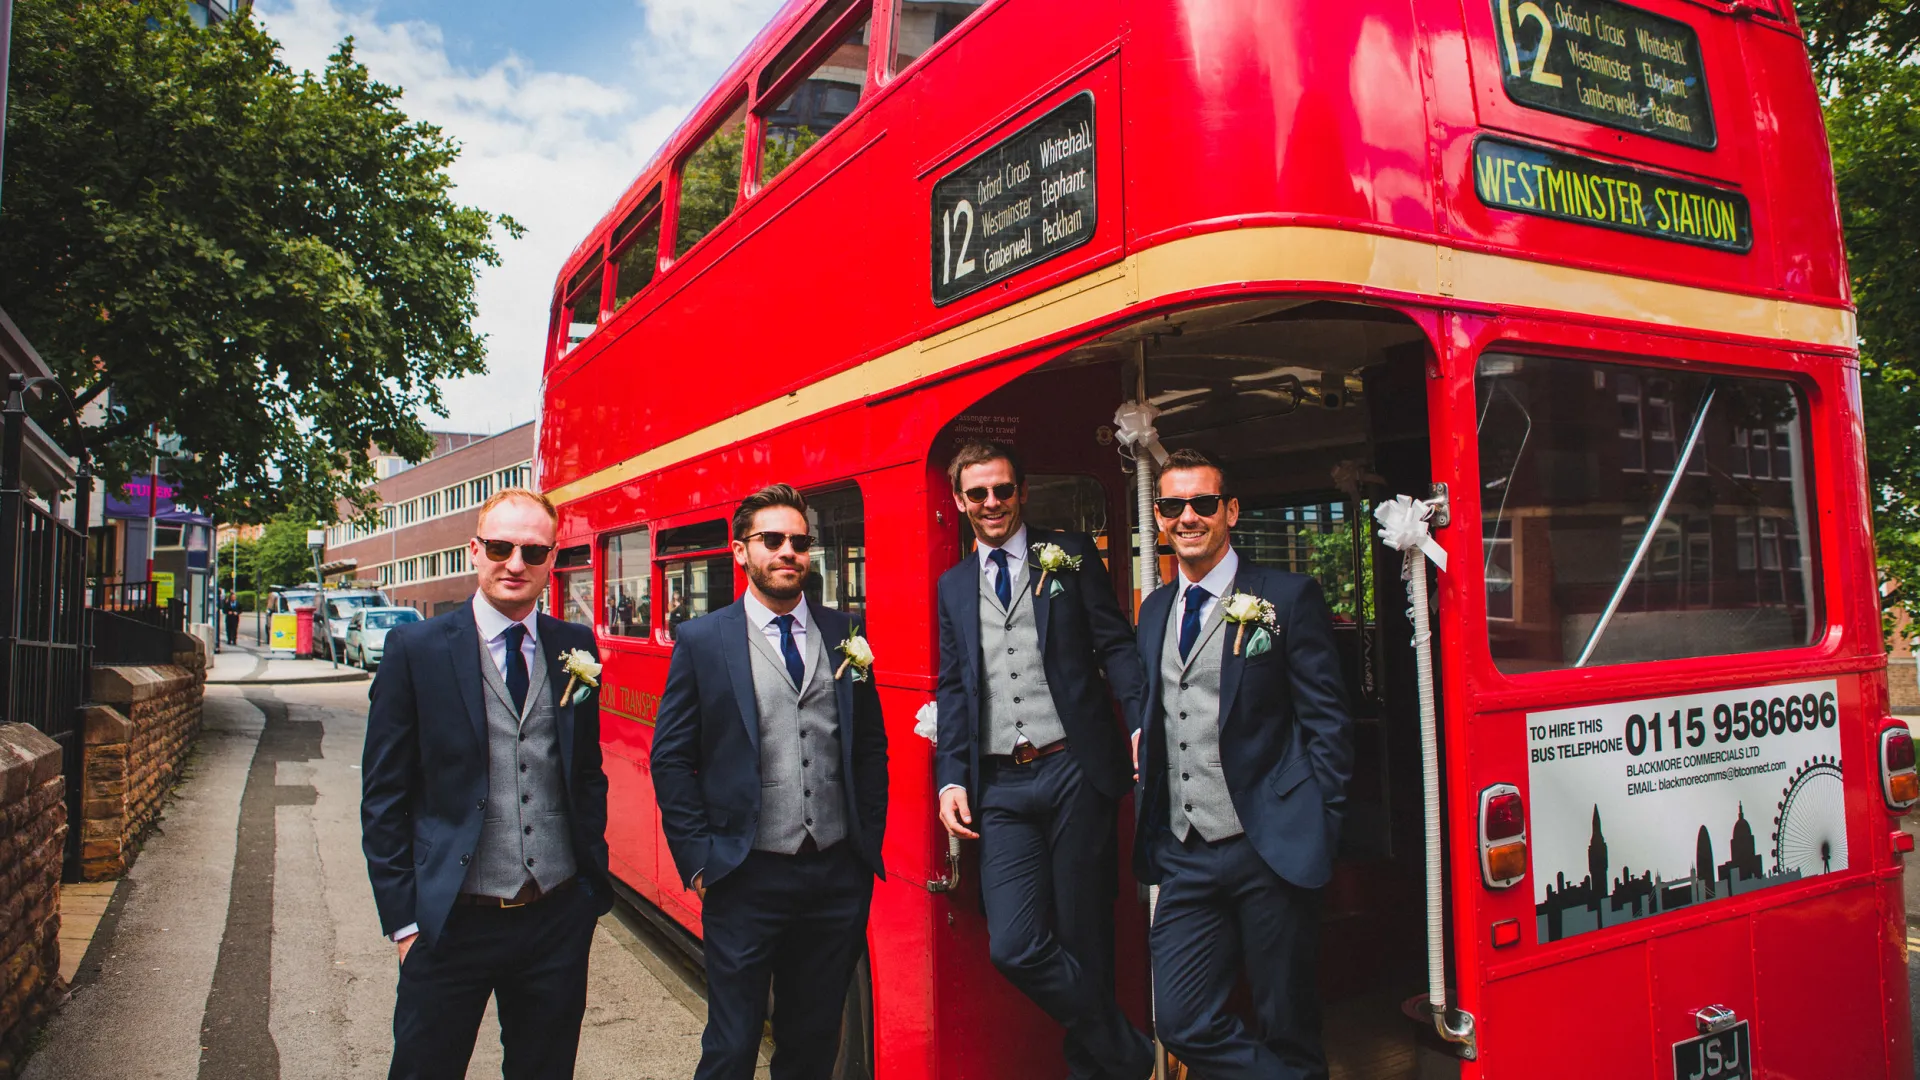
{"type": "Point", "coordinates": [760, 615]}
{"type": "Point", "coordinates": [493, 624]}
{"type": "Point", "coordinates": [1219, 580]}
{"type": "Point", "coordinates": [1015, 547]}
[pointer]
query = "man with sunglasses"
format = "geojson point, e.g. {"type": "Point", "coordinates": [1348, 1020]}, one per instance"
{"type": "Point", "coordinates": [1028, 740]}
{"type": "Point", "coordinates": [770, 766]}
{"type": "Point", "coordinates": [1244, 751]}
{"type": "Point", "coordinates": [484, 813]}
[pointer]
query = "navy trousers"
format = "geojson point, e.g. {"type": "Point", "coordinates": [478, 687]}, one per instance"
{"type": "Point", "coordinates": [796, 924]}
{"type": "Point", "coordinates": [1223, 912]}
{"type": "Point", "coordinates": [1047, 878]}
{"type": "Point", "coordinates": [532, 960]}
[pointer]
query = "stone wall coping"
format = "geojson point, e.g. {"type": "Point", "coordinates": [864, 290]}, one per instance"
{"type": "Point", "coordinates": [105, 725]}
{"type": "Point", "coordinates": [124, 684]}
{"type": "Point", "coordinates": [28, 758]}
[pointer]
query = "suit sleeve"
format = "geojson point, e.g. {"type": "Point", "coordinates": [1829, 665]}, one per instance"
{"type": "Point", "coordinates": [676, 765]}
{"type": "Point", "coordinates": [870, 762]}
{"type": "Point", "coordinates": [389, 776]}
{"type": "Point", "coordinates": [953, 751]}
{"type": "Point", "coordinates": [590, 767]}
{"type": "Point", "coordinates": [1319, 694]}
{"type": "Point", "coordinates": [1112, 635]}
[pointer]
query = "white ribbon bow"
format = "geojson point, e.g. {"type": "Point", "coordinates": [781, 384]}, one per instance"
{"type": "Point", "coordinates": [1135, 423]}
{"type": "Point", "coordinates": [926, 722]}
{"type": "Point", "coordinates": [1403, 526]}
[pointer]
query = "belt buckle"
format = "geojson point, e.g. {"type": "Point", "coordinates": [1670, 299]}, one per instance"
{"type": "Point", "coordinates": [1025, 753]}
{"type": "Point", "coordinates": [504, 904]}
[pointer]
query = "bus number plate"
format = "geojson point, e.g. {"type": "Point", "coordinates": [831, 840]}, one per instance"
{"type": "Point", "coordinates": [1019, 203]}
{"type": "Point", "coordinates": [1723, 1055]}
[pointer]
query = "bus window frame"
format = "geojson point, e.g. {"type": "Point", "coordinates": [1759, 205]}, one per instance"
{"type": "Point", "coordinates": [737, 99]}
{"type": "Point", "coordinates": [618, 242]}
{"type": "Point", "coordinates": [600, 567]}
{"type": "Point", "coordinates": [661, 640]}
{"type": "Point", "coordinates": [577, 286]}
{"type": "Point", "coordinates": [1830, 634]}
{"type": "Point", "coordinates": [768, 92]}
{"type": "Point", "coordinates": [965, 27]}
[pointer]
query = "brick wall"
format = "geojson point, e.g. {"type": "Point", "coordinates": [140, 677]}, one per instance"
{"type": "Point", "coordinates": [138, 732]}
{"type": "Point", "coordinates": [33, 832]}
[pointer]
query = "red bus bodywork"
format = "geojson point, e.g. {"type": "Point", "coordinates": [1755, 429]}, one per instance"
{"type": "Point", "coordinates": [1249, 149]}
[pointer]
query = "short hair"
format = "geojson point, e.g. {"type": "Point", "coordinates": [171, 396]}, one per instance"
{"type": "Point", "coordinates": [522, 494]}
{"type": "Point", "coordinates": [1188, 458]}
{"type": "Point", "coordinates": [771, 495]}
{"type": "Point", "coordinates": [979, 452]}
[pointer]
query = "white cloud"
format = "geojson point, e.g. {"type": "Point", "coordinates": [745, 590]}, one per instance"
{"type": "Point", "coordinates": [552, 149]}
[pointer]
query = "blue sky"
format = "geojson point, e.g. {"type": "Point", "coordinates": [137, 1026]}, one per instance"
{"type": "Point", "coordinates": [557, 108]}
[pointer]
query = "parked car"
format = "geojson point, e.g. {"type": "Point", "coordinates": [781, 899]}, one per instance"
{"type": "Point", "coordinates": [367, 632]}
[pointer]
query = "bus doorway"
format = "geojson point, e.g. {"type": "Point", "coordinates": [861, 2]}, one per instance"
{"type": "Point", "coordinates": [1318, 412]}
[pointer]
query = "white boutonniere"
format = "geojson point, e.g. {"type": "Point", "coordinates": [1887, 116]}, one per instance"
{"type": "Point", "coordinates": [926, 722]}
{"type": "Point", "coordinates": [1051, 559]}
{"type": "Point", "coordinates": [581, 669]}
{"type": "Point", "coordinates": [859, 655]}
{"type": "Point", "coordinates": [1247, 610]}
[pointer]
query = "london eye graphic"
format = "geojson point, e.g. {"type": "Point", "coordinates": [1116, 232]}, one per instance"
{"type": "Point", "coordinates": [1810, 835]}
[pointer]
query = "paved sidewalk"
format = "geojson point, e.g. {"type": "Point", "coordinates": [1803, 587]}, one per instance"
{"type": "Point", "coordinates": [249, 664]}
{"type": "Point", "coordinates": [244, 944]}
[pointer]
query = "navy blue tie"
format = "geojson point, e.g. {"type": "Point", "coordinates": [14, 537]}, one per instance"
{"type": "Point", "coordinates": [1197, 598]}
{"type": "Point", "coordinates": [796, 667]}
{"type": "Point", "coordinates": [517, 668]}
{"type": "Point", "coordinates": [1002, 581]}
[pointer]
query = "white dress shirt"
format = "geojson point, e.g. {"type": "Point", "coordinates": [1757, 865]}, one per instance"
{"type": "Point", "coordinates": [493, 630]}
{"type": "Point", "coordinates": [1016, 549]}
{"type": "Point", "coordinates": [1218, 583]}
{"type": "Point", "coordinates": [761, 616]}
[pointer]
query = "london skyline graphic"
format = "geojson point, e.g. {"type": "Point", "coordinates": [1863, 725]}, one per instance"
{"type": "Point", "coordinates": [1578, 907]}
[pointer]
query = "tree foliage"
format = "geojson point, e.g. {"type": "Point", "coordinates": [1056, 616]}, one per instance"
{"type": "Point", "coordinates": [281, 556]}
{"type": "Point", "coordinates": [1863, 52]}
{"type": "Point", "coordinates": [267, 265]}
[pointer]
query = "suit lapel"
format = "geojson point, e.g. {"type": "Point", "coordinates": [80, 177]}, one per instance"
{"type": "Point", "coordinates": [1042, 603]}
{"type": "Point", "coordinates": [734, 645]}
{"type": "Point", "coordinates": [463, 640]}
{"type": "Point", "coordinates": [562, 711]}
{"type": "Point", "coordinates": [1231, 663]}
{"type": "Point", "coordinates": [968, 617]}
{"type": "Point", "coordinates": [833, 626]}
{"type": "Point", "coordinates": [1153, 633]}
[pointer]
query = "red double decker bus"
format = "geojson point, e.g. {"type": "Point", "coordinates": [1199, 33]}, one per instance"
{"type": "Point", "coordinates": [1568, 272]}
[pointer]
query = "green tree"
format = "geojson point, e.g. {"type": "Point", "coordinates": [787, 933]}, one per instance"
{"type": "Point", "coordinates": [1862, 52]}
{"type": "Point", "coordinates": [244, 553]}
{"type": "Point", "coordinates": [267, 265]}
{"type": "Point", "coordinates": [282, 558]}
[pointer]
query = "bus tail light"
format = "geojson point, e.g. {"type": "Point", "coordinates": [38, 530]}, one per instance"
{"type": "Point", "coordinates": [1899, 781]}
{"type": "Point", "coordinates": [1503, 836]}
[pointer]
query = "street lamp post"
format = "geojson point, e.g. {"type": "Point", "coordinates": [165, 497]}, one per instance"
{"type": "Point", "coordinates": [316, 541]}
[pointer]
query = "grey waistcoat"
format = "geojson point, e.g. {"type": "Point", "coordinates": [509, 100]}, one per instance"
{"type": "Point", "coordinates": [526, 832]}
{"type": "Point", "coordinates": [800, 789]}
{"type": "Point", "coordinates": [1016, 700]}
{"type": "Point", "coordinates": [1197, 793]}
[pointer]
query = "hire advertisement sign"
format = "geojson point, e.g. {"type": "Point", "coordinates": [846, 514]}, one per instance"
{"type": "Point", "coordinates": [1645, 807]}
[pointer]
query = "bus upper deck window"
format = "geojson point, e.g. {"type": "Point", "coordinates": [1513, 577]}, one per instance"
{"type": "Point", "coordinates": [710, 181]}
{"type": "Point", "coordinates": [636, 250]}
{"type": "Point", "coordinates": [825, 95]}
{"type": "Point", "coordinates": [583, 302]}
{"type": "Point", "coordinates": [921, 23]}
{"type": "Point", "coordinates": [1582, 565]}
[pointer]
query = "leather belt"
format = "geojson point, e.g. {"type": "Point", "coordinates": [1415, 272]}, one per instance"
{"type": "Point", "coordinates": [1026, 753]}
{"type": "Point", "coordinates": [529, 894]}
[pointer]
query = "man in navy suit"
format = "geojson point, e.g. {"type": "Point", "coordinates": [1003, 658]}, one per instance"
{"type": "Point", "coordinates": [483, 813]}
{"type": "Point", "coordinates": [1027, 734]}
{"type": "Point", "coordinates": [770, 764]}
{"type": "Point", "coordinates": [1244, 749]}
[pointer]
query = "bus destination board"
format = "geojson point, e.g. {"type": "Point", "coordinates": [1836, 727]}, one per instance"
{"type": "Point", "coordinates": [1021, 202]}
{"type": "Point", "coordinates": [1608, 63]}
{"type": "Point", "coordinates": [1532, 180]}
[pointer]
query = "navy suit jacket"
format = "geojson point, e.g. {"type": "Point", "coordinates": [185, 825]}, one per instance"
{"type": "Point", "coordinates": [706, 746]}
{"type": "Point", "coordinates": [1286, 736]}
{"type": "Point", "coordinates": [423, 772]}
{"type": "Point", "coordinates": [1081, 631]}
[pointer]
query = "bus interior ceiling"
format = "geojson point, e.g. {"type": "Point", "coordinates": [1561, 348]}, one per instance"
{"type": "Point", "coordinates": [1318, 411]}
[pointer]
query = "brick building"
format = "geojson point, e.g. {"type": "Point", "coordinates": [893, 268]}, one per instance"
{"type": "Point", "coordinates": [418, 551]}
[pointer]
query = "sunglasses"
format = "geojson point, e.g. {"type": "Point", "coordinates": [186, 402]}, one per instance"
{"type": "Point", "coordinates": [802, 543]}
{"type": "Point", "coordinates": [1204, 505]}
{"type": "Point", "coordinates": [502, 550]}
{"type": "Point", "coordinates": [1003, 492]}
